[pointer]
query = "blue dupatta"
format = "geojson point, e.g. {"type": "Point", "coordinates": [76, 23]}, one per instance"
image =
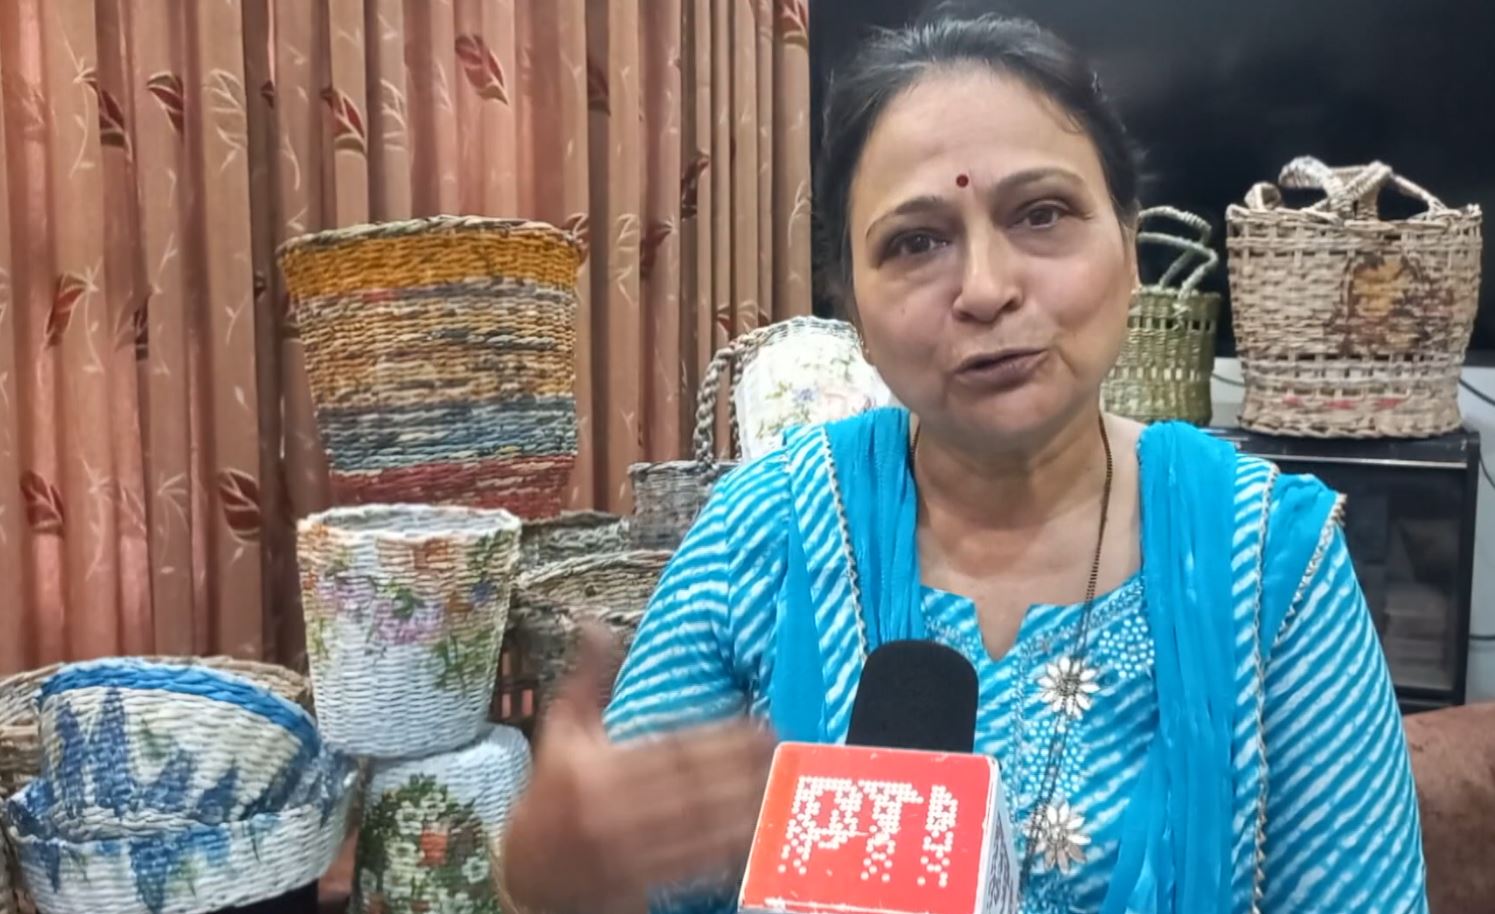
{"type": "Point", "coordinates": [1175, 853]}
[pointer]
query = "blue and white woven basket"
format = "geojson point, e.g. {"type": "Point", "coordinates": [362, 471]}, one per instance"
{"type": "Point", "coordinates": [174, 790]}
{"type": "Point", "coordinates": [405, 609]}
{"type": "Point", "coordinates": [132, 744]}
{"type": "Point", "coordinates": [428, 823]}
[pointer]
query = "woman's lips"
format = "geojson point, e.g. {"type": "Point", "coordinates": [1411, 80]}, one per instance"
{"type": "Point", "coordinates": [1002, 370]}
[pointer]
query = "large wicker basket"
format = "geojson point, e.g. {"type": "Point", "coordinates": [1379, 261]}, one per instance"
{"type": "Point", "coordinates": [1165, 365]}
{"type": "Point", "coordinates": [571, 535]}
{"type": "Point", "coordinates": [549, 603]}
{"type": "Point", "coordinates": [440, 355]}
{"type": "Point", "coordinates": [1347, 324]}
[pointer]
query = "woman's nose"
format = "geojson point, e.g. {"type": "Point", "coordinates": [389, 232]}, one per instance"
{"type": "Point", "coordinates": [990, 281]}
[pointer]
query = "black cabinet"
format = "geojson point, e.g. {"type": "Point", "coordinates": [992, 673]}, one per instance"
{"type": "Point", "coordinates": [1409, 523]}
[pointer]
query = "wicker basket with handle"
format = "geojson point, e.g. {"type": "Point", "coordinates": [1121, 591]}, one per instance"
{"type": "Point", "coordinates": [1165, 365]}
{"type": "Point", "coordinates": [669, 495]}
{"type": "Point", "coordinates": [1348, 324]}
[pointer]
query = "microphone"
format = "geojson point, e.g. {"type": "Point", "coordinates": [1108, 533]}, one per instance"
{"type": "Point", "coordinates": [903, 819]}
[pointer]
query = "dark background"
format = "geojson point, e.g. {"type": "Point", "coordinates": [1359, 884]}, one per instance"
{"type": "Point", "coordinates": [1221, 94]}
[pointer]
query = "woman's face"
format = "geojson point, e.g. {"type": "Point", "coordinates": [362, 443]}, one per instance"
{"type": "Point", "coordinates": [990, 270]}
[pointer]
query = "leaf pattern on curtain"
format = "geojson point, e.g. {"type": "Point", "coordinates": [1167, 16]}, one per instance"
{"type": "Point", "coordinates": [157, 439]}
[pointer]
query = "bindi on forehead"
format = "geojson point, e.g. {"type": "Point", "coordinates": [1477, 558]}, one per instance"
{"type": "Point", "coordinates": [962, 180]}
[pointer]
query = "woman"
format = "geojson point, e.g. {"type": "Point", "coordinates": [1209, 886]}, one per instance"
{"type": "Point", "coordinates": [1178, 672]}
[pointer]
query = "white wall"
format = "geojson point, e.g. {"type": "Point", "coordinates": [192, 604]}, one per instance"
{"type": "Point", "coordinates": [1481, 417]}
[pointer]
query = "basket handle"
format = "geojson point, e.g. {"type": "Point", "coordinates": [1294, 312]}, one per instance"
{"type": "Point", "coordinates": [1189, 248]}
{"type": "Point", "coordinates": [704, 439]}
{"type": "Point", "coordinates": [1350, 193]}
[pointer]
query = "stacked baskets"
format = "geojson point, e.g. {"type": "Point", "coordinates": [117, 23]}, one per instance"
{"type": "Point", "coordinates": [440, 354]}
{"type": "Point", "coordinates": [1166, 363]}
{"type": "Point", "coordinates": [172, 787]}
{"type": "Point", "coordinates": [1350, 325]}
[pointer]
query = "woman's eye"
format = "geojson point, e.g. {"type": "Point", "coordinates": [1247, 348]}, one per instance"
{"type": "Point", "coordinates": [912, 244]}
{"type": "Point", "coordinates": [1043, 216]}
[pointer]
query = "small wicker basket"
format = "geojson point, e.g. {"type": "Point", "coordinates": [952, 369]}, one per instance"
{"type": "Point", "coordinates": [1349, 325]}
{"type": "Point", "coordinates": [405, 608]}
{"type": "Point", "coordinates": [667, 496]}
{"type": "Point", "coordinates": [440, 356]}
{"type": "Point", "coordinates": [1166, 363]}
{"type": "Point", "coordinates": [549, 602]}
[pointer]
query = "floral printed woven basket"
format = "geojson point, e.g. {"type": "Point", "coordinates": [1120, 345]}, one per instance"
{"type": "Point", "coordinates": [171, 788]}
{"type": "Point", "coordinates": [551, 600]}
{"type": "Point", "coordinates": [802, 371]}
{"type": "Point", "coordinates": [428, 823]}
{"type": "Point", "coordinates": [405, 608]}
{"type": "Point", "coordinates": [440, 355]}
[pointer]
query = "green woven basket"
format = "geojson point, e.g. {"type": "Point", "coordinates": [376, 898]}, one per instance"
{"type": "Point", "coordinates": [1165, 365]}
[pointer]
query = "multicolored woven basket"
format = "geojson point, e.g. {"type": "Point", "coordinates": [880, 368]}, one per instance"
{"type": "Point", "coordinates": [405, 608]}
{"type": "Point", "coordinates": [440, 355]}
{"type": "Point", "coordinates": [428, 825]}
{"type": "Point", "coordinates": [549, 602]}
{"type": "Point", "coordinates": [1168, 358]}
{"type": "Point", "coordinates": [1349, 325]}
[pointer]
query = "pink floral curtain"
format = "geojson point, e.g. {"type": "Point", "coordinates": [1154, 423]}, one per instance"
{"type": "Point", "coordinates": [155, 434]}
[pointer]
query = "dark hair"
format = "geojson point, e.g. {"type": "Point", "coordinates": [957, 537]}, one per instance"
{"type": "Point", "coordinates": [892, 61]}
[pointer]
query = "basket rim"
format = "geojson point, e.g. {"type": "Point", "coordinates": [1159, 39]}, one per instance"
{"type": "Point", "coordinates": [335, 522]}
{"type": "Point", "coordinates": [1454, 217]}
{"type": "Point", "coordinates": [586, 519]}
{"type": "Point", "coordinates": [333, 237]}
{"type": "Point", "coordinates": [346, 784]}
{"type": "Point", "coordinates": [642, 559]}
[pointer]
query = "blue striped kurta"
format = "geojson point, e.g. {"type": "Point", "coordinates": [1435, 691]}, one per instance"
{"type": "Point", "coordinates": [1325, 813]}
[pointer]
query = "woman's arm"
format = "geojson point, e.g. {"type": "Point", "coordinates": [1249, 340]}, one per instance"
{"type": "Point", "coordinates": [1341, 824]}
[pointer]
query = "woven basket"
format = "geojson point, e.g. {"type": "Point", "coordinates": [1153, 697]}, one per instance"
{"type": "Point", "coordinates": [440, 355]}
{"type": "Point", "coordinates": [570, 535]}
{"type": "Point", "coordinates": [405, 607]}
{"type": "Point", "coordinates": [549, 602]}
{"type": "Point", "coordinates": [20, 732]}
{"type": "Point", "coordinates": [202, 867]}
{"type": "Point", "coordinates": [135, 746]}
{"type": "Point", "coordinates": [1349, 325]}
{"type": "Point", "coordinates": [667, 496]}
{"type": "Point", "coordinates": [799, 372]}
{"type": "Point", "coordinates": [428, 825]}
{"type": "Point", "coordinates": [1166, 363]}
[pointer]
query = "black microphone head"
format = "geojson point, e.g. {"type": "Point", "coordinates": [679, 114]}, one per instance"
{"type": "Point", "coordinates": [915, 695]}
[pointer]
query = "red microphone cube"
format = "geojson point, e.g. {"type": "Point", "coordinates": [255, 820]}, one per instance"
{"type": "Point", "coordinates": [858, 830]}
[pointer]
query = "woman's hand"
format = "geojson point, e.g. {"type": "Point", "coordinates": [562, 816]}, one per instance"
{"type": "Point", "coordinates": [604, 822]}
